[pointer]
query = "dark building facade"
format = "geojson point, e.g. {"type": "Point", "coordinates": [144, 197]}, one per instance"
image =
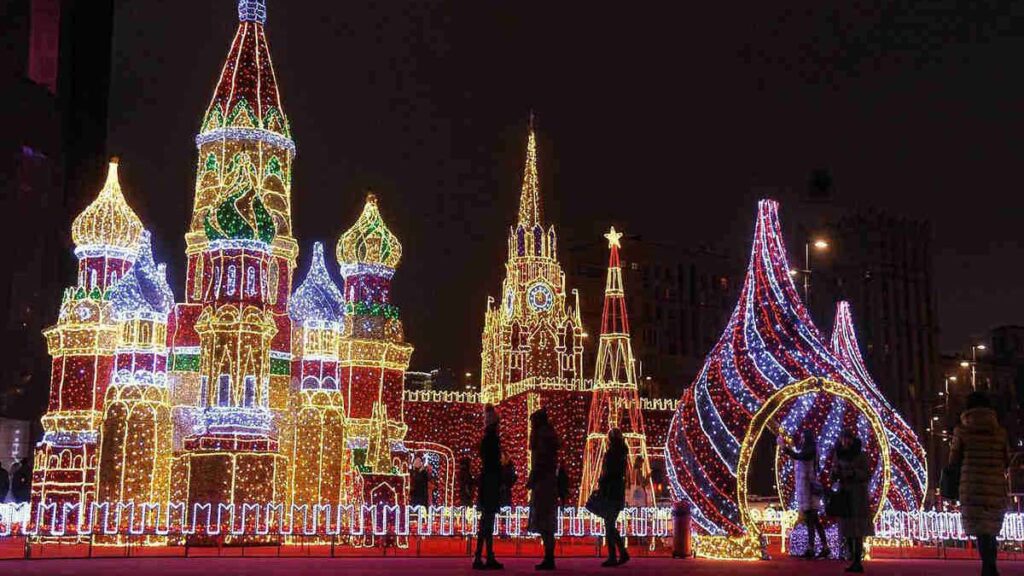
{"type": "Point", "coordinates": [882, 265]}
{"type": "Point", "coordinates": [678, 301]}
{"type": "Point", "coordinates": [55, 64]}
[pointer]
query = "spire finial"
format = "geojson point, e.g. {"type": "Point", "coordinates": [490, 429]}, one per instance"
{"type": "Point", "coordinates": [529, 199]}
{"type": "Point", "coordinates": [252, 11]}
{"type": "Point", "coordinates": [613, 238]}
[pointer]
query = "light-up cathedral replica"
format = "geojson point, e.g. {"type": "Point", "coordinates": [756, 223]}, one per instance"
{"type": "Point", "coordinates": [255, 392]}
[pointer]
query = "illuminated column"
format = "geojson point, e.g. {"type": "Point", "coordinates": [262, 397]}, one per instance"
{"type": "Point", "coordinates": [82, 344]}
{"type": "Point", "coordinates": [615, 400]}
{"type": "Point", "coordinates": [320, 470]}
{"type": "Point", "coordinates": [373, 355]}
{"type": "Point", "coordinates": [135, 439]}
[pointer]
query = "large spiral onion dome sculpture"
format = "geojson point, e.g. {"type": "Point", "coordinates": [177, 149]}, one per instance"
{"type": "Point", "coordinates": [769, 343]}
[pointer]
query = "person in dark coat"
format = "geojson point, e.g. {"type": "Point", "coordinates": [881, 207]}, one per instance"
{"type": "Point", "coordinates": [611, 486]}
{"type": "Point", "coordinates": [21, 482]}
{"type": "Point", "coordinates": [543, 484]}
{"type": "Point", "coordinates": [419, 491]}
{"type": "Point", "coordinates": [980, 448]}
{"type": "Point", "coordinates": [808, 490]}
{"type": "Point", "coordinates": [850, 468]}
{"type": "Point", "coordinates": [508, 479]}
{"type": "Point", "coordinates": [488, 490]}
{"type": "Point", "coordinates": [466, 482]}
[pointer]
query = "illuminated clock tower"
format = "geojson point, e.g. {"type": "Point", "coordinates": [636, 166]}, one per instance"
{"type": "Point", "coordinates": [532, 335]}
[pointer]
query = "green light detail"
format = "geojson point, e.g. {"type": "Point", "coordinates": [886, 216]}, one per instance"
{"type": "Point", "coordinates": [185, 363]}
{"type": "Point", "coordinates": [280, 367]}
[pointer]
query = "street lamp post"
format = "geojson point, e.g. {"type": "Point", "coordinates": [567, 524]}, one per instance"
{"type": "Point", "coordinates": [819, 245]}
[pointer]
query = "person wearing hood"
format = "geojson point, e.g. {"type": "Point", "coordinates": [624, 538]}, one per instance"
{"type": "Point", "coordinates": [808, 490]}
{"type": "Point", "coordinates": [850, 468]}
{"type": "Point", "coordinates": [980, 448]}
{"type": "Point", "coordinates": [543, 484]}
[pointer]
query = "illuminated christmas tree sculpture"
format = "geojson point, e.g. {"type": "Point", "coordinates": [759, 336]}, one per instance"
{"type": "Point", "coordinates": [83, 345]}
{"type": "Point", "coordinates": [373, 355]}
{"type": "Point", "coordinates": [231, 337]}
{"type": "Point", "coordinates": [135, 440]}
{"type": "Point", "coordinates": [615, 400]}
{"type": "Point", "coordinates": [772, 373]}
{"type": "Point", "coordinates": [320, 457]}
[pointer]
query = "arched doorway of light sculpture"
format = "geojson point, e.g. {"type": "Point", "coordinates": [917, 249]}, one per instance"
{"type": "Point", "coordinates": [766, 413]}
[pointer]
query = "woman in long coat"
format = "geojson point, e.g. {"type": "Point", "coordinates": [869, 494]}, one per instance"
{"type": "Point", "coordinates": [980, 447]}
{"type": "Point", "coordinates": [543, 484]}
{"type": "Point", "coordinates": [611, 486]}
{"type": "Point", "coordinates": [488, 490]}
{"type": "Point", "coordinates": [850, 468]}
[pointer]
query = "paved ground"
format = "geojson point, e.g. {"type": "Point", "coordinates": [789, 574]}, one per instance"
{"type": "Point", "coordinates": [457, 566]}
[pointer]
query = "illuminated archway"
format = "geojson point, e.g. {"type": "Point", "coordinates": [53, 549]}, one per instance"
{"type": "Point", "coordinates": [767, 412]}
{"type": "Point", "coordinates": [748, 546]}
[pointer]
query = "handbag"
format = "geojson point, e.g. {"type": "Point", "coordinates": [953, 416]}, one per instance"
{"type": "Point", "coordinates": [598, 505]}
{"type": "Point", "coordinates": [949, 482]}
{"type": "Point", "coordinates": [837, 504]}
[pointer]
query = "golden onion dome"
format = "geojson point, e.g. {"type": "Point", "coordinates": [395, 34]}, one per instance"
{"type": "Point", "coordinates": [369, 241]}
{"type": "Point", "coordinates": [108, 221]}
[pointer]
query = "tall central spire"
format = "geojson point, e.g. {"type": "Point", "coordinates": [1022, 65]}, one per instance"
{"type": "Point", "coordinates": [529, 199]}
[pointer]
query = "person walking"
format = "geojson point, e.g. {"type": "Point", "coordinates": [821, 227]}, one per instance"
{"type": "Point", "coordinates": [808, 491]}
{"type": "Point", "coordinates": [980, 448]}
{"type": "Point", "coordinates": [488, 491]}
{"type": "Point", "coordinates": [611, 487]}
{"type": "Point", "coordinates": [419, 491]}
{"type": "Point", "coordinates": [508, 479]}
{"type": "Point", "coordinates": [543, 484]}
{"type": "Point", "coordinates": [850, 468]}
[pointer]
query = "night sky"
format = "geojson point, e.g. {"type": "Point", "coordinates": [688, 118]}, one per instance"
{"type": "Point", "coordinates": [667, 121]}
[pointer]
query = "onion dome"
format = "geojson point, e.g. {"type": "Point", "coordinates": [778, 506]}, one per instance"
{"type": "Point", "coordinates": [246, 103]}
{"type": "Point", "coordinates": [903, 496]}
{"type": "Point", "coordinates": [241, 215]}
{"type": "Point", "coordinates": [768, 344]}
{"type": "Point", "coordinates": [144, 291]}
{"type": "Point", "coordinates": [317, 300]}
{"type": "Point", "coordinates": [108, 222]}
{"type": "Point", "coordinates": [369, 242]}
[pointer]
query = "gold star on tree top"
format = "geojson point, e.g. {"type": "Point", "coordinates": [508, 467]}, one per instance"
{"type": "Point", "coordinates": [613, 238]}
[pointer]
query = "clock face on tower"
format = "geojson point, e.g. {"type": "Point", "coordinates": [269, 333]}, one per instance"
{"type": "Point", "coordinates": [540, 297]}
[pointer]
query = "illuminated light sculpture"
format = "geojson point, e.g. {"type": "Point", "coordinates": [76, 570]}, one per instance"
{"type": "Point", "coordinates": [615, 400]}
{"type": "Point", "coordinates": [533, 340]}
{"type": "Point", "coordinates": [320, 458]}
{"type": "Point", "coordinates": [83, 344]}
{"type": "Point", "coordinates": [907, 492]}
{"type": "Point", "coordinates": [373, 357]}
{"type": "Point", "coordinates": [231, 338]}
{"type": "Point", "coordinates": [135, 439]}
{"type": "Point", "coordinates": [772, 371]}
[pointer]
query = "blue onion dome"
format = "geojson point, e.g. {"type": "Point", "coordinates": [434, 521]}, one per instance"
{"type": "Point", "coordinates": [144, 291]}
{"type": "Point", "coordinates": [317, 299]}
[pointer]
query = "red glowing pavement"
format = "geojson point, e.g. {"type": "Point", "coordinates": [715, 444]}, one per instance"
{"type": "Point", "coordinates": [452, 566]}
